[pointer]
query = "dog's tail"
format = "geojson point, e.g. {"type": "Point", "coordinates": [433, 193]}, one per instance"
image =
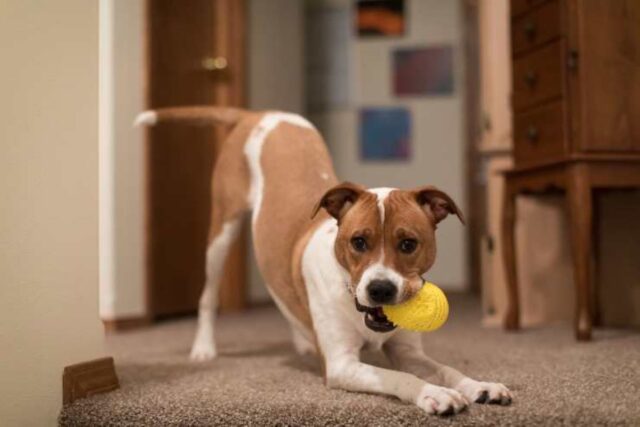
{"type": "Point", "coordinates": [198, 115]}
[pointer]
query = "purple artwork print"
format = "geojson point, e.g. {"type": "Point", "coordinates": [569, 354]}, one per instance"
{"type": "Point", "coordinates": [424, 71]}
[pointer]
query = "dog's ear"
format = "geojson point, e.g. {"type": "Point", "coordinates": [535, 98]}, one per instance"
{"type": "Point", "coordinates": [437, 203]}
{"type": "Point", "coordinates": [339, 199]}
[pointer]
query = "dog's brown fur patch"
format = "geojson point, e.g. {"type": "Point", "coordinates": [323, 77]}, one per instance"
{"type": "Point", "coordinates": [297, 171]}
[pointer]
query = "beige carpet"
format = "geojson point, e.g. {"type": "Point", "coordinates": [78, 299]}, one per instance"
{"type": "Point", "coordinates": [259, 380]}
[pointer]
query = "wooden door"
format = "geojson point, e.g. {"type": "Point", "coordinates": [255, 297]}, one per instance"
{"type": "Point", "coordinates": [195, 56]}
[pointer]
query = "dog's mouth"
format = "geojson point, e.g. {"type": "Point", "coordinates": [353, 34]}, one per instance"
{"type": "Point", "coordinates": [374, 318]}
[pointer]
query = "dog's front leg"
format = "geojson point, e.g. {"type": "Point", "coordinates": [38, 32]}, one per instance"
{"type": "Point", "coordinates": [405, 352]}
{"type": "Point", "coordinates": [345, 370]}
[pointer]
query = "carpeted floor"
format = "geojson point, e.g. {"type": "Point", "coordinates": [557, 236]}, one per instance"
{"type": "Point", "coordinates": [259, 380]}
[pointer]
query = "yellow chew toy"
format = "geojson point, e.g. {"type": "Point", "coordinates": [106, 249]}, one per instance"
{"type": "Point", "coordinates": [425, 312]}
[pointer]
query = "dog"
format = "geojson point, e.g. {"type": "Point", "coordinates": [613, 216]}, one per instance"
{"type": "Point", "coordinates": [331, 255]}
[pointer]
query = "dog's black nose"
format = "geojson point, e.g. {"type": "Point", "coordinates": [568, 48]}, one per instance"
{"type": "Point", "coordinates": [381, 291]}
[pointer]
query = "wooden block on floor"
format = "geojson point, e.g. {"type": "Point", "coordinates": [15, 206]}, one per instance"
{"type": "Point", "coordinates": [88, 378]}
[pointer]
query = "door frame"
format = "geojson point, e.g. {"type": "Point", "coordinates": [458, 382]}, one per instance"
{"type": "Point", "coordinates": [231, 43]}
{"type": "Point", "coordinates": [475, 197]}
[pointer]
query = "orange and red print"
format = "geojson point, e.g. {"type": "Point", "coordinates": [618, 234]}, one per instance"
{"type": "Point", "coordinates": [380, 17]}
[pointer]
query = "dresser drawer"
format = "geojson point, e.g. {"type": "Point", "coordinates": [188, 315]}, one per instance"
{"type": "Point", "coordinates": [518, 7]}
{"type": "Point", "coordinates": [538, 76]}
{"type": "Point", "coordinates": [540, 134]}
{"type": "Point", "coordinates": [536, 27]}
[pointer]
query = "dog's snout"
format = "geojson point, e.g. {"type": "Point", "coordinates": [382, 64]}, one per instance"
{"type": "Point", "coordinates": [381, 291]}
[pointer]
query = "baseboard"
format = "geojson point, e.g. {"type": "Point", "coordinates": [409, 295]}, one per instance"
{"type": "Point", "coordinates": [126, 323]}
{"type": "Point", "coordinates": [262, 303]}
{"type": "Point", "coordinates": [135, 322]}
{"type": "Point", "coordinates": [88, 378]}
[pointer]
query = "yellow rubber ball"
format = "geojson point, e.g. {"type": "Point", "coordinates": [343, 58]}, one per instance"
{"type": "Point", "coordinates": [425, 312]}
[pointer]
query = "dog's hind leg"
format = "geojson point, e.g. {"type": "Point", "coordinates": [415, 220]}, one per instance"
{"type": "Point", "coordinates": [204, 347]}
{"type": "Point", "coordinates": [229, 203]}
{"type": "Point", "coordinates": [224, 234]}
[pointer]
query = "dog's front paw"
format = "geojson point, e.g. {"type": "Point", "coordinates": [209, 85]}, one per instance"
{"type": "Point", "coordinates": [483, 392]}
{"type": "Point", "coordinates": [440, 400]}
{"type": "Point", "coordinates": [202, 351]}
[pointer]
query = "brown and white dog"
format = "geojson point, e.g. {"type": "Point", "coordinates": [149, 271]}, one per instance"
{"type": "Point", "coordinates": [331, 274]}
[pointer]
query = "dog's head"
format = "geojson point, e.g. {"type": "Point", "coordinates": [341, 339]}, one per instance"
{"type": "Point", "coordinates": [386, 241]}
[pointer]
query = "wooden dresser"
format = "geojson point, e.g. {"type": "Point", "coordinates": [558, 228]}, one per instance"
{"type": "Point", "coordinates": [576, 122]}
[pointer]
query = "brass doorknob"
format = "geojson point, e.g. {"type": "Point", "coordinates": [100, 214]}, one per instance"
{"type": "Point", "coordinates": [218, 63]}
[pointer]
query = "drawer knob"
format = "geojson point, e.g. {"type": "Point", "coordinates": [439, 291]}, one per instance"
{"type": "Point", "coordinates": [531, 78]}
{"type": "Point", "coordinates": [530, 30]}
{"type": "Point", "coordinates": [572, 59]}
{"type": "Point", "coordinates": [533, 134]}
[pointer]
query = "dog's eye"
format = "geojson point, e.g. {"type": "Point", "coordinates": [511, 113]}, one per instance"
{"type": "Point", "coordinates": [408, 246]}
{"type": "Point", "coordinates": [359, 244]}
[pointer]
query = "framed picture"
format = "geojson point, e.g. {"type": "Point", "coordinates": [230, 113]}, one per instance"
{"type": "Point", "coordinates": [385, 134]}
{"type": "Point", "coordinates": [423, 71]}
{"type": "Point", "coordinates": [375, 18]}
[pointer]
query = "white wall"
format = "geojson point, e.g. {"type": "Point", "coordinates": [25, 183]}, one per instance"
{"type": "Point", "coordinates": [438, 125]}
{"type": "Point", "coordinates": [48, 191]}
{"type": "Point", "coordinates": [122, 292]}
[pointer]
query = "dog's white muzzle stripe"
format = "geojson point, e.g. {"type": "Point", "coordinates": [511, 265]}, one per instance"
{"type": "Point", "coordinates": [377, 271]}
